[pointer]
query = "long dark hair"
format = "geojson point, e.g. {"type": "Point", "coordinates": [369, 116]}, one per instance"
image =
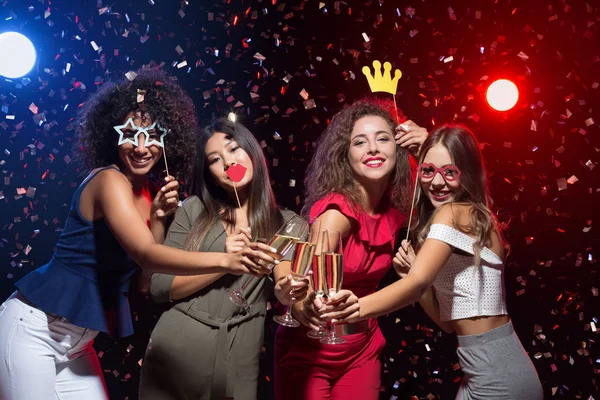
{"type": "Point", "coordinates": [330, 171]}
{"type": "Point", "coordinates": [466, 155]}
{"type": "Point", "coordinates": [264, 216]}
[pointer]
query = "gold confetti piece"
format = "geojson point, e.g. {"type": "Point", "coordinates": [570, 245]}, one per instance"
{"type": "Point", "coordinates": [131, 75]}
{"type": "Point", "coordinates": [309, 104]}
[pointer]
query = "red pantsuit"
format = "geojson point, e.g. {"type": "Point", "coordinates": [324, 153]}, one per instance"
{"type": "Point", "coordinates": [308, 370]}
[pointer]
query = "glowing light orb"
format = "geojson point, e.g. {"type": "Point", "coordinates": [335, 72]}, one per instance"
{"type": "Point", "coordinates": [502, 95]}
{"type": "Point", "coordinates": [18, 55]}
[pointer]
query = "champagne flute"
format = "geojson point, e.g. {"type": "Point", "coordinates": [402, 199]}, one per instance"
{"type": "Point", "coordinates": [301, 264]}
{"type": "Point", "coordinates": [283, 240]}
{"type": "Point", "coordinates": [333, 266]}
{"type": "Point", "coordinates": [318, 282]}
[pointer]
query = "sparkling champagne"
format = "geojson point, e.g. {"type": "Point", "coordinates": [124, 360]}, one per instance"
{"type": "Point", "coordinates": [318, 276]}
{"type": "Point", "coordinates": [303, 258]}
{"type": "Point", "coordinates": [334, 271]}
{"type": "Point", "coordinates": [282, 244]}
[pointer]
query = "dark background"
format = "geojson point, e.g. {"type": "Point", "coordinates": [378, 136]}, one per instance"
{"type": "Point", "coordinates": [550, 49]}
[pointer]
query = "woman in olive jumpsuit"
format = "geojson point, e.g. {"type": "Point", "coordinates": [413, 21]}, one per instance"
{"type": "Point", "coordinates": [205, 346]}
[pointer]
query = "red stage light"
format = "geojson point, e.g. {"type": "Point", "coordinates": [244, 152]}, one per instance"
{"type": "Point", "coordinates": [502, 95]}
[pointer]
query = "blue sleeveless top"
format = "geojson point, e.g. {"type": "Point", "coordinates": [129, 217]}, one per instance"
{"type": "Point", "coordinates": [88, 277]}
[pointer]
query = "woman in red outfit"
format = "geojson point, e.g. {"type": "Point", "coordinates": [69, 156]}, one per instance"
{"type": "Point", "coordinates": [358, 183]}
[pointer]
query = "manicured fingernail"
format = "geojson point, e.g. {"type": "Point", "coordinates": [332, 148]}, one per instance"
{"type": "Point", "coordinates": [273, 250]}
{"type": "Point", "coordinates": [276, 262]}
{"type": "Point", "coordinates": [163, 189]}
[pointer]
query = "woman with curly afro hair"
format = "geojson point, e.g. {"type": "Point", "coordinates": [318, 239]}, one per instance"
{"type": "Point", "coordinates": [48, 325]}
{"type": "Point", "coordinates": [358, 184]}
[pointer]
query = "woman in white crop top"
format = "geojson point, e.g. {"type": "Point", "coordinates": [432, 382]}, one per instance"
{"type": "Point", "coordinates": [458, 274]}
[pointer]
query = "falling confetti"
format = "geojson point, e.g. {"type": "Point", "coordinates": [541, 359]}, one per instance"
{"type": "Point", "coordinates": [283, 69]}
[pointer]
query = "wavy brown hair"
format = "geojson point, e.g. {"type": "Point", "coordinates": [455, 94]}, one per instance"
{"type": "Point", "coordinates": [330, 171]}
{"type": "Point", "coordinates": [466, 155]}
{"type": "Point", "coordinates": [164, 100]}
{"type": "Point", "coordinates": [264, 216]}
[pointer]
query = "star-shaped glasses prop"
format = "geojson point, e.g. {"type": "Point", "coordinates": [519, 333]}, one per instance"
{"type": "Point", "coordinates": [129, 133]}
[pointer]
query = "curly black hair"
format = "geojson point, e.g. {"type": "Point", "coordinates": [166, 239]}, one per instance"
{"type": "Point", "coordinates": [164, 100]}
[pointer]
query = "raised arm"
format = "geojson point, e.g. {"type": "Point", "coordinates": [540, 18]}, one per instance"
{"type": "Point", "coordinates": [164, 206]}
{"type": "Point", "coordinates": [412, 136]}
{"type": "Point", "coordinates": [114, 201]}
{"type": "Point", "coordinates": [184, 286]}
{"type": "Point", "coordinates": [432, 257]}
{"type": "Point", "coordinates": [168, 287]}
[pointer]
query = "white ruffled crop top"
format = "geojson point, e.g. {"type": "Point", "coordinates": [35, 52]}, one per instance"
{"type": "Point", "coordinates": [463, 290]}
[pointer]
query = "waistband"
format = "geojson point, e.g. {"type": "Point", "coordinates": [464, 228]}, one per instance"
{"type": "Point", "coordinates": [19, 296]}
{"type": "Point", "coordinates": [351, 329]}
{"type": "Point", "coordinates": [498, 333]}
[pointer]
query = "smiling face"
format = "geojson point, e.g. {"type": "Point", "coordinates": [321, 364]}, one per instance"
{"type": "Point", "coordinates": [221, 152]}
{"type": "Point", "coordinates": [441, 180]}
{"type": "Point", "coordinates": [372, 152]}
{"type": "Point", "coordinates": [137, 161]}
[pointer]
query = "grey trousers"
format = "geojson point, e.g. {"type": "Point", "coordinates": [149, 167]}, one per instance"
{"type": "Point", "coordinates": [496, 367]}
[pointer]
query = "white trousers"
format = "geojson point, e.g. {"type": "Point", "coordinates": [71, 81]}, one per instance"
{"type": "Point", "coordinates": [44, 357]}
